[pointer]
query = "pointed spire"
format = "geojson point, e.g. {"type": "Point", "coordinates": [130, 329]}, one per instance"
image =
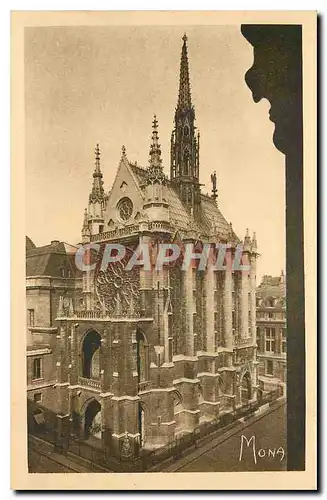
{"type": "Point", "coordinates": [184, 157]}
{"type": "Point", "coordinates": [97, 187]}
{"type": "Point", "coordinates": [85, 229]}
{"type": "Point", "coordinates": [254, 243]}
{"type": "Point", "coordinates": [97, 159]}
{"type": "Point", "coordinates": [247, 241]}
{"type": "Point", "coordinates": [155, 151]}
{"type": "Point", "coordinates": [155, 170]}
{"type": "Point", "coordinates": [71, 308]}
{"type": "Point", "coordinates": [184, 94]}
{"type": "Point", "coordinates": [123, 151]}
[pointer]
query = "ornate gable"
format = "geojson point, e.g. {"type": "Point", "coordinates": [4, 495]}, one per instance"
{"type": "Point", "coordinates": [125, 200]}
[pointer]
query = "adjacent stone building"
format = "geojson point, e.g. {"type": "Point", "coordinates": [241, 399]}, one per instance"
{"type": "Point", "coordinates": [272, 332]}
{"type": "Point", "coordinates": [148, 355]}
{"type": "Point", "coordinates": [50, 274]}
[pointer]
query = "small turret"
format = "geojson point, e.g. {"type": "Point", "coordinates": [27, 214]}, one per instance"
{"type": "Point", "coordinates": [254, 243]}
{"type": "Point", "coordinates": [155, 172]}
{"type": "Point", "coordinates": [85, 229]}
{"type": "Point", "coordinates": [97, 199]}
{"type": "Point", "coordinates": [97, 192]}
{"type": "Point", "coordinates": [155, 206]}
{"type": "Point", "coordinates": [247, 242]}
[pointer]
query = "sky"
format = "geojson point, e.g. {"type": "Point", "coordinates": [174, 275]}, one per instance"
{"type": "Point", "coordinates": [88, 85]}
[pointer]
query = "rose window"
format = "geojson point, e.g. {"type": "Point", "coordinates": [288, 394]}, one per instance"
{"type": "Point", "coordinates": [117, 289]}
{"type": "Point", "coordinates": [125, 209]}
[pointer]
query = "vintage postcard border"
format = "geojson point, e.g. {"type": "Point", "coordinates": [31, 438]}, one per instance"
{"type": "Point", "coordinates": [21, 479]}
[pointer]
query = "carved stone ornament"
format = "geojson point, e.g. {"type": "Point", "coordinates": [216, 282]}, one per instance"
{"type": "Point", "coordinates": [117, 290]}
{"type": "Point", "coordinates": [125, 209]}
{"type": "Point", "coordinates": [126, 447]}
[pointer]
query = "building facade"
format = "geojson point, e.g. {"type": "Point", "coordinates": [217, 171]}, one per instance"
{"type": "Point", "coordinates": [51, 276]}
{"type": "Point", "coordinates": [148, 354]}
{"type": "Point", "coordinates": [272, 332]}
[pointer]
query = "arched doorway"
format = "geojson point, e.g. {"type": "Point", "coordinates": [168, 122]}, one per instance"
{"type": "Point", "coordinates": [91, 355]}
{"type": "Point", "coordinates": [92, 420]}
{"type": "Point", "coordinates": [246, 388]}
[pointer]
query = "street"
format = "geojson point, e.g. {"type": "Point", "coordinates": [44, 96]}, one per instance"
{"type": "Point", "coordinates": [257, 444]}
{"type": "Point", "coordinates": [43, 458]}
{"type": "Point", "coordinates": [42, 463]}
{"type": "Point", "coordinates": [265, 452]}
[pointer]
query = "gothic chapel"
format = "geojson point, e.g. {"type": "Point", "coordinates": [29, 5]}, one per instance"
{"type": "Point", "coordinates": [146, 356]}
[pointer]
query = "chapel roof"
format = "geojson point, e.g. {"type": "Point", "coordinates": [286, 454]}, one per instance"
{"type": "Point", "coordinates": [208, 217]}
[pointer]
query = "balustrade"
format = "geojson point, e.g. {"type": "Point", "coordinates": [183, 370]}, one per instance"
{"type": "Point", "coordinates": [89, 382]}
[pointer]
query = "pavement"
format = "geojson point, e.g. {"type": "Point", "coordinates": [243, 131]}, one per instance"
{"type": "Point", "coordinates": [230, 452]}
{"type": "Point", "coordinates": [43, 458]}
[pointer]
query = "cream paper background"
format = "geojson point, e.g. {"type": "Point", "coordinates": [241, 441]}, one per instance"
{"type": "Point", "coordinates": [21, 479]}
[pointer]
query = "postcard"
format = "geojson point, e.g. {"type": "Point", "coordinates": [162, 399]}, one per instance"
{"type": "Point", "coordinates": [163, 239]}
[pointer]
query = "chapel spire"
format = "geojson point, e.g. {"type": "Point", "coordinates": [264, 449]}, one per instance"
{"type": "Point", "coordinates": [184, 155]}
{"type": "Point", "coordinates": [184, 93]}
